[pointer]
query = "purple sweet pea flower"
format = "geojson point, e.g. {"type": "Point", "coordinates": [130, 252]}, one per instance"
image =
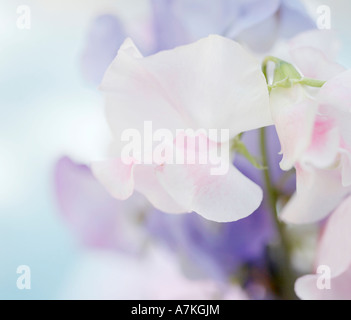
{"type": "Point", "coordinates": [213, 249]}
{"type": "Point", "coordinates": [97, 219]}
{"type": "Point", "coordinates": [104, 38]}
{"type": "Point", "coordinates": [294, 18]}
{"type": "Point", "coordinates": [256, 23]}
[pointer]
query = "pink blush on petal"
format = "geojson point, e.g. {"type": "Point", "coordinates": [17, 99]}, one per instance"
{"type": "Point", "coordinates": [322, 128]}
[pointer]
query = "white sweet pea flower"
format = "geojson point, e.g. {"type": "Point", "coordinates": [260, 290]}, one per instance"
{"type": "Point", "coordinates": [312, 124]}
{"type": "Point", "coordinates": [210, 84]}
{"type": "Point", "coordinates": [324, 171]}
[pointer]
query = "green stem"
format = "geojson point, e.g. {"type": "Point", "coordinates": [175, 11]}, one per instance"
{"type": "Point", "coordinates": [285, 276]}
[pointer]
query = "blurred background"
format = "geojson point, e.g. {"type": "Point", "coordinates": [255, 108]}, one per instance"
{"type": "Point", "coordinates": [50, 68]}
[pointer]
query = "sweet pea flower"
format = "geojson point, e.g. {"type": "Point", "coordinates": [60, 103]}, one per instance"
{"type": "Point", "coordinates": [311, 126]}
{"type": "Point", "coordinates": [323, 171]}
{"type": "Point", "coordinates": [258, 24]}
{"type": "Point", "coordinates": [118, 259]}
{"type": "Point", "coordinates": [220, 250]}
{"type": "Point", "coordinates": [105, 36]}
{"type": "Point", "coordinates": [255, 23]}
{"type": "Point", "coordinates": [333, 262]}
{"type": "Point", "coordinates": [95, 218]}
{"type": "Point", "coordinates": [215, 250]}
{"type": "Point", "coordinates": [212, 83]}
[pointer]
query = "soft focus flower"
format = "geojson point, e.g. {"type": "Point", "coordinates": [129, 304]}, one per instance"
{"type": "Point", "coordinates": [220, 250]}
{"type": "Point", "coordinates": [105, 36]}
{"type": "Point", "coordinates": [156, 275]}
{"type": "Point", "coordinates": [333, 261]}
{"type": "Point", "coordinates": [95, 218]}
{"type": "Point", "coordinates": [212, 83]}
{"type": "Point", "coordinates": [120, 260]}
{"type": "Point", "coordinates": [212, 251]}
{"type": "Point", "coordinates": [255, 23]}
{"type": "Point", "coordinates": [311, 126]}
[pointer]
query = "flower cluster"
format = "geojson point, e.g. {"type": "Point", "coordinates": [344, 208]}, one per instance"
{"type": "Point", "coordinates": [286, 119]}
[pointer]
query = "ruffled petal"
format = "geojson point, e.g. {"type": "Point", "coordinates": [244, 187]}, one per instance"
{"type": "Point", "coordinates": [335, 244]}
{"type": "Point", "coordinates": [220, 198]}
{"type": "Point", "coordinates": [318, 193]}
{"type": "Point", "coordinates": [293, 113]}
{"type": "Point", "coordinates": [322, 40]}
{"type": "Point", "coordinates": [212, 83]}
{"type": "Point", "coordinates": [307, 287]}
{"type": "Point", "coordinates": [147, 183]}
{"type": "Point", "coordinates": [116, 176]}
{"type": "Point", "coordinates": [314, 64]}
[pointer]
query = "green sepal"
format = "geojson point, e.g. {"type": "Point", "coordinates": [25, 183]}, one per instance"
{"type": "Point", "coordinates": [239, 147]}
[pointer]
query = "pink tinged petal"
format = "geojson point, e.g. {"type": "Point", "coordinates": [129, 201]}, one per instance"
{"type": "Point", "coordinates": [147, 183]}
{"type": "Point", "coordinates": [96, 218]}
{"type": "Point", "coordinates": [308, 287]}
{"type": "Point", "coordinates": [318, 193]}
{"type": "Point", "coordinates": [324, 146]}
{"type": "Point", "coordinates": [335, 97]}
{"type": "Point", "coordinates": [315, 64]}
{"type": "Point", "coordinates": [134, 96]}
{"type": "Point", "coordinates": [121, 179]}
{"type": "Point", "coordinates": [129, 48]}
{"type": "Point", "coordinates": [335, 244]}
{"type": "Point", "coordinates": [85, 205]}
{"type": "Point", "coordinates": [336, 93]}
{"type": "Point", "coordinates": [324, 41]}
{"type": "Point", "coordinates": [346, 167]}
{"type": "Point", "coordinates": [116, 176]}
{"type": "Point", "coordinates": [212, 83]}
{"type": "Point", "coordinates": [220, 198]}
{"type": "Point", "coordinates": [293, 114]}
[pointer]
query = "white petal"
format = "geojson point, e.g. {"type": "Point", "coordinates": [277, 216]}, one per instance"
{"type": "Point", "coordinates": [321, 40]}
{"type": "Point", "coordinates": [215, 83]}
{"type": "Point", "coordinates": [212, 83]}
{"type": "Point", "coordinates": [293, 114]}
{"type": "Point", "coordinates": [220, 198]}
{"type": "Point", "coordinates": [307, 287]}
{"type": "Point", "coordinates": [147, 183]}
{"type": "Point", "coordinates": [314, 63]}
{"type": "Point", "coordinates": [115, 176]}
{"type": "Point", "coordinates": [335, 244]}
{"type": "Point", "coordinates": [318, 193]}
{"type": "Point", "coordinates": [134, 96]}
